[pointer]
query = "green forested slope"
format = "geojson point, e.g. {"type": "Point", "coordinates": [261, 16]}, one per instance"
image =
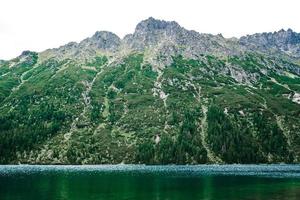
{"type": "Point", "coordinates": [213, 109]}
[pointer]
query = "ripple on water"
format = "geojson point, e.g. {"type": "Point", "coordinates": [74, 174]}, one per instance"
{"type": "Point", "coordinates": [276, 170]}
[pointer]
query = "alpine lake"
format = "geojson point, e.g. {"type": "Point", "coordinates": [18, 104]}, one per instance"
{"type": "Point", "coordinates": [139, 182]}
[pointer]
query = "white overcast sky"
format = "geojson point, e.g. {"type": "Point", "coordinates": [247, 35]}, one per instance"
{"type": "Point", "coordinates": [40, 24]}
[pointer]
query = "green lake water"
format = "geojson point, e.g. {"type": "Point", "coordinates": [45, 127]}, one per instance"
{"type": "Point", "coordinates": [207, 182]}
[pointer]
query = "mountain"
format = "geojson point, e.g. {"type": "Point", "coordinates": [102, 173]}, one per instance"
{"type": "Point", "coordinates": [287, 42]}
{"type": "Point", "coordinates": [161, 95]}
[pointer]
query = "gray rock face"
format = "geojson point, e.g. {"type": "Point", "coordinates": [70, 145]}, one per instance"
{"type": "Point", "coordinates": [151, 32]}
{"type": "Point", "coordinates": [27, 53]}
{"type": "Point", "coordinates": [151, 25]}
{"type": "Point", "coordinates": [28, 57]}
{"type": "Point", "coordinates": [282, 41]}
{"type": "Point", "coordinates": [164, 39]}
{"type": "Point", "coordinates": [102, 40]}
{"type": "Point", "coordinates": [169, 38]}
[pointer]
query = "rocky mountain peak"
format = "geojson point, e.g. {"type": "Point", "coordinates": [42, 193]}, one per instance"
{"type": "Point", "coordinates": [168, 38]}
{"type": "Point", "coordinates": [104, 35]}
{"type": "Point", "coordinates": [27, 55]}
{"type": "Point", "coordinates": [282, 41]}
{"type": "Point", "coordinates": [102, 40]}
{"type": "Point", "coordinates": [151, 24]}
{"type": "Point", "coordinates": [273, 38]}
{"type": "Point", "coordinates": [288, 36]}
{"type": "Point", "coordinates": [27, 58]}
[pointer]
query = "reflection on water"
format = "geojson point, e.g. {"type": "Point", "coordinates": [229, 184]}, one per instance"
{"type": "Point", "coordinates": [140, 182]}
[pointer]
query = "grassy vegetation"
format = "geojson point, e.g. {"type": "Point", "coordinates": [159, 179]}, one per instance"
{"type": "Point", "coordinates": [133, 115]}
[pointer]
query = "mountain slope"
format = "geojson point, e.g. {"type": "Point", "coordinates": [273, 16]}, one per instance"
{"type": "Point", "coordinates": [287, 42]}
{"type": "Point", "coordinates": [163, 94]}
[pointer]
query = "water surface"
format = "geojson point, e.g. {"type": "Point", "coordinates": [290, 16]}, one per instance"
{"type": "Point", "coordinates": [207, 182]}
